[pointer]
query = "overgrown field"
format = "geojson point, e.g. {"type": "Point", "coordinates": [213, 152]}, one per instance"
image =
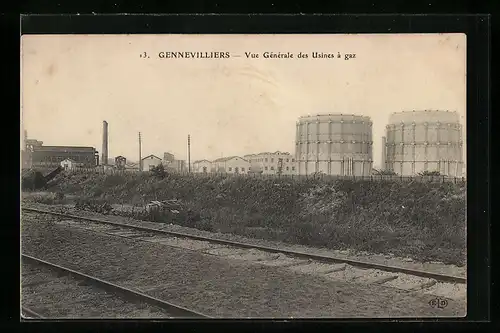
{"type": "Point", "coordinates": [425, 221]}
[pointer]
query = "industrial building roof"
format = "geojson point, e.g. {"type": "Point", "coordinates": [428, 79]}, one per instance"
{"type": "Point", "coordinates": [199, 161]}
{"type": "Point", "coordinates": [224, 159]}
{"type": "Point", "coordinates": [151, 156]}
{"type": "Point", "coordinates": [270, 153]}
{"type": "Point", "coordinates": [65, 149]}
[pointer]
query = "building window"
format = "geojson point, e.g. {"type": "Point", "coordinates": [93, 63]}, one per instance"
{"type": "Point", "coordinates": [242, 169]}
{"type": "Point", "coordinates": [265, 160]}
{"type": "Point", "coordinates": [287, 160]}
{"type": "Point", "coordinates": [293, 168]}
{"type": "Point", "coordinates": [230, 168]}
{"type": "Point", "coordinates": [265, 168]}
{"type": "Point", "coordinates": [287, 168]}
{"type": "Point", "coordinates": [293, 159]}
{"type": "Point", "coordinates": [272, 168]}
{"type": "Point", "coordinates": [272, 160]}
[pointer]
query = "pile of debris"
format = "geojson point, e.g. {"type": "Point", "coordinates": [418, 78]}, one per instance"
{"type": "Point", "coordinates": [32, 179]}
{"type": "Point", "coordinates": [174, 206]}
{"type": "Point", "coordinates": [167, 211]}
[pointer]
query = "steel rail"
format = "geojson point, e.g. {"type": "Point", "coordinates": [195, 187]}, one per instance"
{"type": "Point", "coordinates": [128, 293]}
{"type": "Point", "coordinates": [299, 254]}
{"type": "Point", "coordinates": [30, 314]}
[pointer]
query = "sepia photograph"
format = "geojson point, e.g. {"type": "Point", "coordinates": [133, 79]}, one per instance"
{"type": "Point", "coordinates": [243, 176]}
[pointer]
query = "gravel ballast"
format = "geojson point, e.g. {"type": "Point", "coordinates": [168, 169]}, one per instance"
{"type": "Point", "coordinates": [216, 286]}
{"type": "Point", "coordinates": [62, 297]}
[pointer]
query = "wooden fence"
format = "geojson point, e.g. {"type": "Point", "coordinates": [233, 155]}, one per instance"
{"type": "Point", "coordinates": [432, 179]}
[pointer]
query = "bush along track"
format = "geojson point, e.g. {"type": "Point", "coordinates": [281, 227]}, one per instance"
{"type": "Point", "coordinates": [424, 221]}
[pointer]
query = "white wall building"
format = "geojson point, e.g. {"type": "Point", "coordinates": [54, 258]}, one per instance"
{"type": "Point", "coordinates": [202, 166]}
{"type": "Point", "coordinates": [272, 163]}
{"type": "Point", "coordinates": [231, 164]}
{"type": "Point", "coordinates": [150, 161]}
{"type": "Point", "coordinates": [69, 164]}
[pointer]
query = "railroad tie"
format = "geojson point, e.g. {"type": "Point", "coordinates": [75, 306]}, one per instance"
{"type": "Point", "coordinates": [424, 285]}
{"type": "Point", "coordinates": [340, 267]}
{"type": "Point", "coordinates": [383, 279]}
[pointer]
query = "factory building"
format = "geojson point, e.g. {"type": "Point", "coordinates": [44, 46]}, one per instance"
{"type": "Point", "coordinates": [202, 166]}
{"type": "Point", "coordinates": [168, 158]}
{"type": "Point", "coordinates": [272, 163]}
{"type": "Point", "coordinates": [52, 156]}
{"type": "Point", "coordinates": [334, 144]}
{"type": "Point", "coordinates": [150, 161]}
{"type": "Point", "coordinates": [428, 140]}
{"type": "Point", "coordinates": [27, 152]}
{"type": "Point", "coordinates": [231, 164]}
{"type": "Point", "coordinates": [178, 166]}
{"type": "Point", "coordinates": [31, 144]}
{"type": "Point", "coordinates": [173, 165]}
{"type": "Point", "coordinates": [25, 159]}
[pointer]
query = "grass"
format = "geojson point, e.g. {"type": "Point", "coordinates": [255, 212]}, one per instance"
{"type": "Point", "coordinates": [424, 221]}
{"type": "Point", "coordinates": [50, 198]}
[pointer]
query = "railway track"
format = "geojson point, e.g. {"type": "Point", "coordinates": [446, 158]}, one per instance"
{"type": "Point", "coordinates": [387, 276]}
{"type": "Point", "coordinates": [28, 313]}
{"type": "Point", "coordinates": [125, 293]}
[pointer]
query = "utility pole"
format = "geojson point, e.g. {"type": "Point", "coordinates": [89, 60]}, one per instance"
{"type": "Point", "coordinates": [189, 153]}
{"type": "Point", "coordinates": [140, 153]}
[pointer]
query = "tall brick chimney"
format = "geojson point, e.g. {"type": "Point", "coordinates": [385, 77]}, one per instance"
{"type": "Point", "coordinates": [104, 159]}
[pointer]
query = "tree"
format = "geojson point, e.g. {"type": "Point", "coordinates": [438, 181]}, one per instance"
{"type": "Point", "coordinates": [158, 171]}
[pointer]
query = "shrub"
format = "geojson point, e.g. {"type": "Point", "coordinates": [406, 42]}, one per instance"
{"type": "Point", "coordinates": [429, 173]}
{"type": "Point", "coordinates": [421, 219]}
{"type": "Point", "coordinates": [159, 171]}
{"type": "Point", "coordinates": [384, 172]}
{"type": "Point", "coordinates": [59, 196]}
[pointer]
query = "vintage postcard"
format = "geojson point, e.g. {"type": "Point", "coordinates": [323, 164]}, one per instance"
{"type": "Point", "coordinates": [243, 176]}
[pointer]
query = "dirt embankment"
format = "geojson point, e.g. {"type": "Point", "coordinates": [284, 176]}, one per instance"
{"type": "Point", "coordinates": [424, 221]}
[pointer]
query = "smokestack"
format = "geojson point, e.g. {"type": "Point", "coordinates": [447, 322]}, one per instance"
{"type": "Point", "coordinates": [104, 160]}
{"type": "Point", "coordinates": [384, 153]}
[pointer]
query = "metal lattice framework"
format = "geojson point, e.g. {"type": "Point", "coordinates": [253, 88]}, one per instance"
{"type": "Point", "coordinates": [334, 144]}
{"type": "Point", "coordinates": [429, 140]}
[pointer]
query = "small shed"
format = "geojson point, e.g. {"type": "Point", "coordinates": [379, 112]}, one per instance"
{"type": "Point", "coordinates": [150, 161]}
{"type": "Point", "coordinates": [120, 162]}
{"type": "Point", "coordinates": [68, 164]}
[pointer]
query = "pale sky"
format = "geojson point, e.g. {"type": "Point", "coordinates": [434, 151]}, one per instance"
{"type": "Point", "coordinates": [235, 106]}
